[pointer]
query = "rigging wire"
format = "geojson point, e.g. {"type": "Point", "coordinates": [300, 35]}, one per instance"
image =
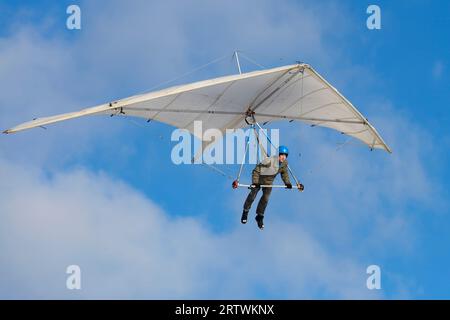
{"type": "Point", "coordinates": [251, 60]}
{"type": "Point", "coordinates": [186, 73]}
{"type": "Point", "coordinates": [210, 166]}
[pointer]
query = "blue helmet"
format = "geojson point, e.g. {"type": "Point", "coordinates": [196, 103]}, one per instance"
{"type": "Point", "coordinates": [283, 150]}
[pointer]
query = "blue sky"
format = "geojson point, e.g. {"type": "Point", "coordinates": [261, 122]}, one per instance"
{"type": "Point", "coordinates": [104, 194]}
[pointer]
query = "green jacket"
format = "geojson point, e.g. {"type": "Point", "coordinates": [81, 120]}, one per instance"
{"type": "Point", "coordinates": [266, 171]}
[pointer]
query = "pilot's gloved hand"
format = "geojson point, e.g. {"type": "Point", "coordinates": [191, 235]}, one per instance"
{"type": "Point", "coordinates": [288, 185]}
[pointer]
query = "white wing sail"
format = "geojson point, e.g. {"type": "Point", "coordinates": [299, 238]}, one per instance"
{"type": "Point", "coordinates": [294, 92]}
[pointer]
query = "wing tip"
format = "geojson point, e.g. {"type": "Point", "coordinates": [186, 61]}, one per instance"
{"type": "Point", "coordinates": [7, 131]}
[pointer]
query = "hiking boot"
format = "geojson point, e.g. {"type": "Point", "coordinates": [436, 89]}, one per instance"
{"type": "Point", "coordinates": [260, 220]}
{"type": "Point", "coordinates": [244, 217]}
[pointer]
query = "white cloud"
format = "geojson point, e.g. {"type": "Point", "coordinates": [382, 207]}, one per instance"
{"type": "Point", "coordinates": [127, 247]}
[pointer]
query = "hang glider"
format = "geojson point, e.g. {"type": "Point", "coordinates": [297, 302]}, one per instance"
{"type": "Point", "coordinates": [293, 92]}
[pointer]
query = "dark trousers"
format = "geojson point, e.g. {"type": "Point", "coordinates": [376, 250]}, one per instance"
{"type": "Point", "coordinates": [262, 202]}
